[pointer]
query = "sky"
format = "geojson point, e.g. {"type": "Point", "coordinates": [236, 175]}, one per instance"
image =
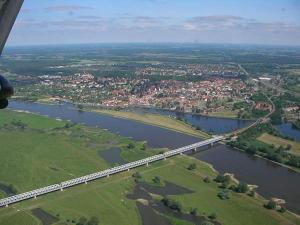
{"type": "Point", "coordinates": [274, 22]}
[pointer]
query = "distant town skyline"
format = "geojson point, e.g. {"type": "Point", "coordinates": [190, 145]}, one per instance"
{"type": "Point", "coordinates": [275, 22]}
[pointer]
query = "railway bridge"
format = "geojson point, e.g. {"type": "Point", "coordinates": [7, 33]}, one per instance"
{"type": "Point", "coordinates": [105, 173]}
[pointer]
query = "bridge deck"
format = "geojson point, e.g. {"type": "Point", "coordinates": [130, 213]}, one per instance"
{"type": "Point", "coordinates": [105, 173]}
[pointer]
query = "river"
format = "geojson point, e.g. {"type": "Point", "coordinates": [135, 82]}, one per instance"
{"type": "Point", "coordinates": [273, 180]}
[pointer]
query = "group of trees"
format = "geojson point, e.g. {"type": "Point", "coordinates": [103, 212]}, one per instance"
{"type": "Point", "coordinates": [247, 142]}
{"type": "Point", "coordinates": [84, 221]}
{"type": "Point", "coordinates": [226, 184]}
{"type": "Point", "coordinates": [296, 124]}
{"type": "Point", "coordinates": [172, 204]}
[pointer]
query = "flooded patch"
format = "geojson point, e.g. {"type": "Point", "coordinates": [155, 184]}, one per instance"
{"type": "Point", "coordinates": [197, 220]}
{"type": "Point", "coordinates": [152, 212]}
{"type": "Point", "coordinates": [44, 217]}
{"type": "Point", "coordinates": [286, 129]}
{"type": "Point", "coordinates": [150, 217]}
{"type": "Point", "coordinates": [112, 156]}
{"type": "Point", "coordinates": [8, 190]}
{"type": "Point", "coordinates": [168, 189]}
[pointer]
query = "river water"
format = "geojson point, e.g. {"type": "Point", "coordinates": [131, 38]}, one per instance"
{"type": "Point", "coordinates": [273, 180]}
{"type": "Point", "coordinates": [206, 123]}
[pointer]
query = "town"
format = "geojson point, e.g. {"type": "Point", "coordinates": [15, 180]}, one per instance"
{"type": "Point", "coordinates": [119, 92]}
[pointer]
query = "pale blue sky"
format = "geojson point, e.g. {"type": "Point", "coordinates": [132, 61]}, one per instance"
{"type": "Point", "coordinates": [210, 21]}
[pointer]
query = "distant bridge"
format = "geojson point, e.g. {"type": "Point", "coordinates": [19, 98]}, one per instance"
{"type": "Point", "coordinates": [105, 173]}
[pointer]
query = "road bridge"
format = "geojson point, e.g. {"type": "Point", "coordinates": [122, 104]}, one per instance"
{"type": "Point", "coordinates": [105, 173]}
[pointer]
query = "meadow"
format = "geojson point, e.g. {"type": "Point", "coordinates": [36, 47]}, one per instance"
{"type": "Point", "coordinates": [37, 151]}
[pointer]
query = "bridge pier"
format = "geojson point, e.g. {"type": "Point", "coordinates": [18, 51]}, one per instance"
{"type": "Point", "coordinates": [195, 149]}
{"type": "Point", "coordinates": [107, 175]}
{"type": "Point", "coordinates": [147, 164]}
{"type": "Point", "coordinates": [35, 197]}
{"type": "Point", "coordinates": [128, 169]}
{"type": "Point", "coordinates": [6, 205]}
{"type": "Point", "coordinates": [85, 182]}
{"type": "Point", "coordinates": [61, 189]}
{"type": "Point", "coordinates": [181, 153]}
{"type": "Point", "coordinates": [165, 158]}
{"type": "Point", "coordinates": [211, 144]}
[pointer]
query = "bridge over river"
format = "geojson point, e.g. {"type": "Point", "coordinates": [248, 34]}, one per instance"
{"type": "Point", "coordinates": [105, 173]}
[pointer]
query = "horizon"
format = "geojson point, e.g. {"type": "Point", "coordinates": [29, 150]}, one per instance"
{"type": "Point", "coordinates": [157, 21]}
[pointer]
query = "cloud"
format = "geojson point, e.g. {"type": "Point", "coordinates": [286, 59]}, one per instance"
{"type": "Point", "coordinates": [126, 27]}
{"type": "Point", "coordinates": [67, 8]}
{"type": "Point", "coordinates": [227, 23]}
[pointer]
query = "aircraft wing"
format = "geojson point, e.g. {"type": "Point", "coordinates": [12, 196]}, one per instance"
{"type": "Point", "coordinates": [9, 10]}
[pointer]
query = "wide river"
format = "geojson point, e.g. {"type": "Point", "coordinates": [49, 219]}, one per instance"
{"type": "Point", "coordinates": [272, 180]}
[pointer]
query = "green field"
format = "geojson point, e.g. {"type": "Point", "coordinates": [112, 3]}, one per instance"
{"type": "Point", "coordinates": [107, 200]}
{"type": "Point", "coordinates": [45, 151]}
{"type": "Point", "coordinates": [157, 120]}
{"type": "Point", "coordinates": [277, 142]}
{"type": "Point", "coordinates": [36, 151]}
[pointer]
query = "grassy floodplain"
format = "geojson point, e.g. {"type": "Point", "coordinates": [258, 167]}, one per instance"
{"type": "Point", "coordinates": [156, 120]}
{"type": "Point", "coordinates": [37, 151]}
{"type": "Point", "coordinates": [277, 142]}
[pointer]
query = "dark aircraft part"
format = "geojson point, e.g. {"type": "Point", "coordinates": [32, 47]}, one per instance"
{"type": "Point", "coordinates": [9, 9]}
{"type": "Point", "coordinates": [3, 103]}
{"type": "Point", "coordinates": [6, 91]}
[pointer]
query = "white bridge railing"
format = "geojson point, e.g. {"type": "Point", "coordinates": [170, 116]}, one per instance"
{"type": "Point", "coordinates": [105, 173]}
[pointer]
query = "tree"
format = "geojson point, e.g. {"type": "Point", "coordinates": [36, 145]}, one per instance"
{"type": "Point", "coordinates": [242, 188]}
{"type": "Point", "coordinates": [193, 166]}
{"type": "Point", "coordinates": [271, 205]}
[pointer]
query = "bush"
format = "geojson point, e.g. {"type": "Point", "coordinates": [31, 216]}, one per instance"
{"type": "Point", "coordinates": [137, 175]}
{"type": "Point", "coordinates": [207, 180]}
{"type": "Point", "coordinates": [130, 146]}
{"type": "Point", "coordinates": [193, 166]}
{"type": "Point", "coordinates": [224, 195]}
{"type": "Point", "coordinates": [282, 209]}
{"type": "Point", "coordinates": [252, 194]}
{"type": "Point", "coordinates": [156, 180]}
{"type": "Point", "coordinates": [212, 216]}
{"type": "Point", "coordinates": [194, 211]}
{"type": "Point", "coordinates": [242, 188]}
